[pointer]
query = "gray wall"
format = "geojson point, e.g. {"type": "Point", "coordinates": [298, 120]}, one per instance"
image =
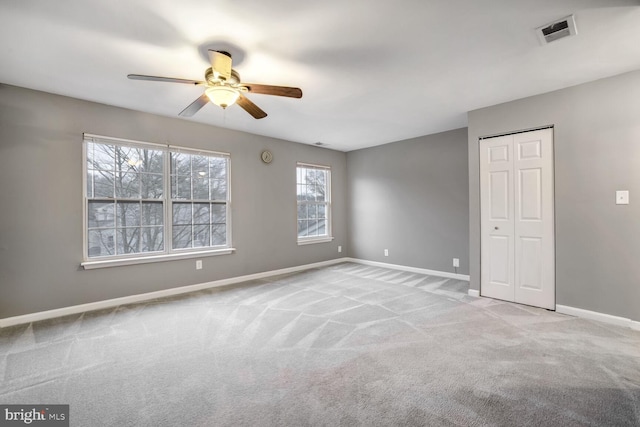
{"type": "Point", "coordinates": [411, 197]}
{"type": "Point", "coordinates": [41, 202]}
{"type": "Point", "coordinates": [597, 151]}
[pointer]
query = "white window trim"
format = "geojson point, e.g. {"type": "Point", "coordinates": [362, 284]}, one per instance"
{"type": "Point", "coordinates": [103, 263]}
{"type": "Point", "coordinates": [313, 240]}
{"type": "Point", "coordinates": [167, 254]}
{"type": "Point", "coordinates": [317, 239]}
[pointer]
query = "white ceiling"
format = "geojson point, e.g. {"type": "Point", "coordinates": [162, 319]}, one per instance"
{"type": "Point", "coordinates": [372, 72]}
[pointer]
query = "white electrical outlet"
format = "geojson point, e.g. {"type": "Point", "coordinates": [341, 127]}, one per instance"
{"type": "Point", "coordinates": [386, 252]}
{"type": "Point", "coordinates": [456, 262]}
{"type": "Point", "coordinates": [199, 264]}
{"type": "Point", "coordinates": [339, 248]}
{"type": "Point", "coordinates": [622, 197]}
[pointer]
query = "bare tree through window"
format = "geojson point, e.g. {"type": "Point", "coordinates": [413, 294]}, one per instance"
{"type": "Point", "coordinates": [199, 200]}
{"type": "Point", "coordinates": [127, 199]}
{"type": "Point", "coordinates": [125, 207]}
{"type": "Point", "coordinates": [313, 196]}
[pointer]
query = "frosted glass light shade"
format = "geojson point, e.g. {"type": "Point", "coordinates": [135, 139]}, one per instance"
{"type": "Point", "coordinates": [222, 96]}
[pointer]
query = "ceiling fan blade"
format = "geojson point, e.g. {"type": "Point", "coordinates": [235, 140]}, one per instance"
{"type": "Point", "coordinates": [195, 106]}
{"type": "Point", "coordinates": [164, 79]}
{"type": "Point", "coordinates": [220, 64]}
{"type": "Point", "coordinates": [250, 107]}
{"type": "Point", "coordinates": [291, 92]}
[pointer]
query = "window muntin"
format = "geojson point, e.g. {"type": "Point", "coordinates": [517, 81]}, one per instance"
{"type": "Point", "coordinates": [199, 200]}
{"type": "Point", "coordinates": [146, 199]}
{"type": "Point", "coordinates": [125, 210]}
{"type": "Point", "coordinates": [313, 190]}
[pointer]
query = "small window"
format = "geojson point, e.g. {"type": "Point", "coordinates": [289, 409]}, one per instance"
{"type": "Point", "coordinates": [313, 188]}
{"type": "Point", "coordinates": [148, 200]}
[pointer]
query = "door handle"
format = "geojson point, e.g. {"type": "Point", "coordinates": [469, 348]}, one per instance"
{"type": "Point", "coordinates": [495, 228]}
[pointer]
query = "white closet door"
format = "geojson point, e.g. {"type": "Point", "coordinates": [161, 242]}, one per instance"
{"type": "Point", "coordinates": [496, 183]}
{"type": "Point", "coordinates": [534, 219]}
{"type": "Point", "coordinates": [517, 218]}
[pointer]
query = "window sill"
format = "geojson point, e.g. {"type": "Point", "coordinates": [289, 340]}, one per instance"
{"type": "Point", "coordinates": [90, 265]}
{"type": "Point", "coordinates": [312, 241]}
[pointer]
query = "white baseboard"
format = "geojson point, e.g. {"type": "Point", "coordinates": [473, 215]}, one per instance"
{"type": "Point", "coordinates": [98, 305]}
{"type": "Point", "coordinates": [410, 269]}
{"type": "Point", "coordinates": [601, 317]}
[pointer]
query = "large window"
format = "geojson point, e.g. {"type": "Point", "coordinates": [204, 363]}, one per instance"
{"type": "Point", "coordinates": [144, 200]}
{"type": "Point", "coordinates": [314, 203]}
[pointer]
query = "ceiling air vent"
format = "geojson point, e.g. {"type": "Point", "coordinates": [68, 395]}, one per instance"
{"type": "Point", "coordinates": [559, 29]}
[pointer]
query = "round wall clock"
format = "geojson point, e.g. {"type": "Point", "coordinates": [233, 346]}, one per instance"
{"type": "Point", "coordinates": [266, 156]}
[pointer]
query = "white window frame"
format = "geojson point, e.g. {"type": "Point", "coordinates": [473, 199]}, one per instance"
{"type": "Point", "coordinates": [168, 253]}
{"type": "Point", "coordinates": [329, 236]}
{"type": "Point", "coordinates": [182, 150]}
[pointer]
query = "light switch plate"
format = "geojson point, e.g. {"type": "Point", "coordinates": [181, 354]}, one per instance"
{"type": "Point", "coordinates": [622, 197]}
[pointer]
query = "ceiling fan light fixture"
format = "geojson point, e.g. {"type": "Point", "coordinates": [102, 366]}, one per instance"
{"type": "Point", "coordinates": [222, 96]}
{"type": "Point", "coordinates": [222, 86]}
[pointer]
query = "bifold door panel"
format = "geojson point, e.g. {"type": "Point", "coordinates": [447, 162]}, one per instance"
{"type": "Point", "coordinates": [517, 219]}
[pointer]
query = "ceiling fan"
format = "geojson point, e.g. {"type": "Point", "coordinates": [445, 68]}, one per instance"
{"type": "Point", "coordinates": [224, 88]}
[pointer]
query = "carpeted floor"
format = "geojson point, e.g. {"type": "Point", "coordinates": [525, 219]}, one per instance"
{"type": "Point", "coordinates": [344, 345]}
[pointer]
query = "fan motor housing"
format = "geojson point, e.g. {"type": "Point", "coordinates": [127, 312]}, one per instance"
{"type": "Point", "coordinates": [233, 80]}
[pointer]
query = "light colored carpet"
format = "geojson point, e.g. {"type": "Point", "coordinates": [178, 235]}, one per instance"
{"type": "Point", "coordinates": [343, 345]}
